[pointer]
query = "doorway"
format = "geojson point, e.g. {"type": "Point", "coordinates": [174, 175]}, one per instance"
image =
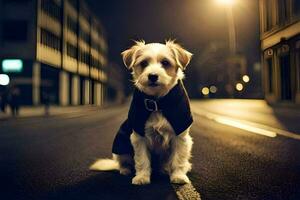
{"type": "Point", "coordinates": [285, 75]}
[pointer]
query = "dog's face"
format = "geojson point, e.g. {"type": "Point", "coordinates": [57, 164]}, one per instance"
{"type": "Point", "coordinates": [156, 67]}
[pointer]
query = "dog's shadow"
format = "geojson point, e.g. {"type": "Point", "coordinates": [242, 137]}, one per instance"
{"type": "Point", "coordinates": [112, 185]}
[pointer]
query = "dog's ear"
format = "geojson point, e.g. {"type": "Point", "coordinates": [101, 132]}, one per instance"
{"type": "Point", "coordinates": [129, 55]}
{"type": "Point", "coordinates": [182, 56]}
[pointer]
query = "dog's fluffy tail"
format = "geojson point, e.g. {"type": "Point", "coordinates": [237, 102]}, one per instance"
{"type": "Point", "coordinates": [105, 165]}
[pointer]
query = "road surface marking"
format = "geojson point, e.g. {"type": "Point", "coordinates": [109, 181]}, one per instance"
{"type": "Point", "coordinates": [243, 126]}
{"type": "Point", "coordinates": [248, 126]}
{"type": "Point", "coordinates": [186, 192]}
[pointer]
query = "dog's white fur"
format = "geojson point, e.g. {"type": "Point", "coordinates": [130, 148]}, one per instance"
{"type": "Point", "coordinates": [174, 151]}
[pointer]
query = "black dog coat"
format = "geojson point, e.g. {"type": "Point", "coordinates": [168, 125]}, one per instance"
{"type": "Point", "coordinates": [175, 107]}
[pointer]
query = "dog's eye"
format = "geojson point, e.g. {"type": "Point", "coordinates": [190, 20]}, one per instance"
{"type": "Point", "coordinates": [144, 63]}
{"type": "Point", "coordinates": [165, 63]}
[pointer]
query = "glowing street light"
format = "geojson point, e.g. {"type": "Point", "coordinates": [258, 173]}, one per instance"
{"type": "Point", "coordinates": [12, 65]}
{"type": "Point", "coordinates": [213, 89]}
{"type": "Point", "coordinates": [231, 25]}
{"type": "Point", "coordinates": [205, 91]}
{"type": "Point", "coordinates": [4, 79]}
{"type": "Point", "coordinates": [239, 87]}
{"type": "Point", "coordinates": [246, 78]}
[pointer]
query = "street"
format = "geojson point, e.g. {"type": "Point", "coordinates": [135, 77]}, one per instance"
{"type": "Point", "coordinates": [49, 157]}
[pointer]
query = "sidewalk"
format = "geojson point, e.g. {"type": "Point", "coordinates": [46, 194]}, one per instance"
{"type": "Point", "coordinates": [29, 111]}
{"type": "Point", "coordinates": [258, 111]}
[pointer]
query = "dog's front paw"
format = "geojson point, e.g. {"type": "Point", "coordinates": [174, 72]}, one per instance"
{"type": "Point", "coordinates": [141, 180]}
{"type": "Point", "coordinates": [180, 179]}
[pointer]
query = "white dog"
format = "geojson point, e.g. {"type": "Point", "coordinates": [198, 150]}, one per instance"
{"type": "Point", "coordinates": [157, 71]}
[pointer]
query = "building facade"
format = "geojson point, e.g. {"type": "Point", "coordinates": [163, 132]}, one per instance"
{"type": "Point", "coordinates": [53, 48]}
{"type": "Point", "coordinates": [280, 49]}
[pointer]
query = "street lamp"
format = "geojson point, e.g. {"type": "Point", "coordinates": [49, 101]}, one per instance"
{"type": "Point", "coordinates": [205, 91]}
{"type": "Point", "coordinates": [4, 79]}
{"type": "Point", "coordinates": [239, 87]}
{"type": "Point", "coordinates": [213, 89]}
{"type": "Point", "coordinates": [228, 4]}
{"type": "Point", "coordinates": [231, 28]}
{"type": "Point", "coordinates": [246, 78]}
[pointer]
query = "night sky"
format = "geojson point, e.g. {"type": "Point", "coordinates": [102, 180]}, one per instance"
{"type": "Point", "coordinates": [193, 23]}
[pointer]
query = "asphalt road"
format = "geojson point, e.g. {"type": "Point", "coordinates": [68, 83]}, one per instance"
{"type": "Point", "coordinates": [48, 158]}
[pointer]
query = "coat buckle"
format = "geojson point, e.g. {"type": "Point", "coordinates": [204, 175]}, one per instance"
{"type": "Point", "coordinates": [150, 105]}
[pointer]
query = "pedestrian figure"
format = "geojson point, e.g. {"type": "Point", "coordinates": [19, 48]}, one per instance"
{"type": "Point", "coordinates": [3, 101]}
{"type": "Point", "coordinates": [14, 96]}
{"type": "Point", "coordinates": [46, 100]}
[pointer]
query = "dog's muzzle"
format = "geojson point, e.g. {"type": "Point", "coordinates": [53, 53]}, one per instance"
{"type": "Point", "coordinates": [150, 105]}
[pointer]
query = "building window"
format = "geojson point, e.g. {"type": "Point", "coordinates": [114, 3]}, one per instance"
{"type": "Point", "coordinates": [96, 46]}
{"type": "Point", "coordinates": [95, 62]}
{"type": "Point", "coordinates": [85, 36]}
{"type": "Point", "coordinates": [49, 39]}
{"type": "Point", "coordinates": [72, 25]}
{"type": "Point", "coordinates": [298, 67]}
{"type": "Point", "coordinates": [87, 58]}
{"type": "Point", "coordinates": [269, 63]}
{"type": "Point", "coordinates": [283, 11]}
{"type": "Point", "coordinates": [14, 30]}
{"type": "Point", "coordinates": [84, 57]}
{"type": "Point", "coordinates": [285, 76]}
{"type": "Point", "coordinates": [268, 14]}
{"type": "Point", "coordinates": [71, 50]}
{"type": "Point", "coordinates": [296, 5]}
{"type": "Point", "coordinates": [51, 8]}
{"type": "Point", "coordinates": [85, 14]}
{"type": "Point", "coordinates": [74, 3]}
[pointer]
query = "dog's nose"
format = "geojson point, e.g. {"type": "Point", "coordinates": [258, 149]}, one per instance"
{"type": "Point", "coordinates": [153, 77]}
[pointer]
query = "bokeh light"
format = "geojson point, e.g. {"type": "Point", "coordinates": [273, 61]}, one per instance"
{"type": "Point", "coordinates": [239, 87]}
{"type": "Point", "coordinates": [205, 91]}
{"type": "Point", "coordinates": [246, 78]}
{"type": "Point", "coordinates": [4, 79]}
{"type": "Point", "coordinates": [213, 89]}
